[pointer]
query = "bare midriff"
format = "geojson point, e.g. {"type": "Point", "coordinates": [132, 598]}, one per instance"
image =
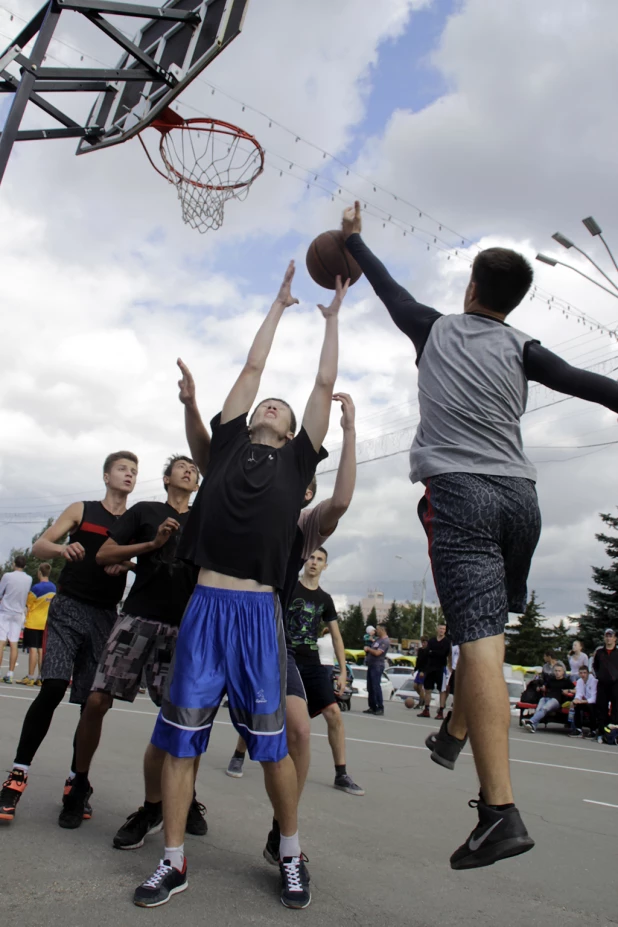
{"type": "Point", "coordinates": [222, 581]}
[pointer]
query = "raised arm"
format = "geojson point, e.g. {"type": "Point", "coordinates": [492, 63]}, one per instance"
{"type": "Point", "coordinates": [547, 368]}
{"type": "Point", "coordinates": [411, 317]}
{"type": "Point", "coordinates": [47, 547]}
{"type": "Point", "coordinates": [198, 437]}
{"type": "Point", "coordinates": [317, 411]}
{"type": "Point", "coordinates": [243, 393]}
{"type": "Point", "coordinates": [335, 508]}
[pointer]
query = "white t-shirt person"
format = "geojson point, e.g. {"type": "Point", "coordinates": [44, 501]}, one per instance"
{"type": "Point", "coordinates": [14, 589]}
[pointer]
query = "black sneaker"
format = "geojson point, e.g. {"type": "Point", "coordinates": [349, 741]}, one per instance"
{"type": "Point", "coordinates": [74, 807]}
{"type": "Point", "coordinates": [271, 850]}
{"type": "Point", "coordinates": [444, 747]}
{"type": "Point", "coordinates": [347, 784]}
{"type": "Point", "coordinates": [12, 791]}
{"type": "Point", "coordinates": [379, 711]}
{"type": "Point", "coordinates": [295, 891]}
{"type": "Point", "coordinates": [136, 827]}
{"type": "Point", "coordinates": [369, 711]}
{"type": "Point", "coordinates": [498, 835]}
{"type": "Point", "coordinates": [162, 884]}
{"type": "Point", "coordinates": [68, 785]}
{"type": "Point", "coordinates": [196, 819]}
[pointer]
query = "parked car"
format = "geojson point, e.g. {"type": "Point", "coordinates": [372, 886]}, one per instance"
{"type": "Point", "coordinates": [399, 674]}
{"type": "Point", "coordinates": [359, 683]}
{"type": "Point", "coordinates": [406, 689]}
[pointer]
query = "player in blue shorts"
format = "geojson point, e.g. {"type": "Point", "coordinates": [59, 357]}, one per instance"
{"type": "Point", "coordinates": [231, 640]}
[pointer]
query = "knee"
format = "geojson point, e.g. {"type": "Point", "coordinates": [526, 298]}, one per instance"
{"type": "Point", "coordinates": [298, 735]}
{"type": "Point", "coordinates": [53, 690]}
{"type": "Point", "coordinates": [333, 716]}
{"type": "Point", "coordinates": [99, 703]}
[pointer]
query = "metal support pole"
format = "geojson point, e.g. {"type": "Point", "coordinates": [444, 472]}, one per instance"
{"type": "Point", "coordinates": [26, 86]}
{"type": "Point", "coordinates": [423, 588]}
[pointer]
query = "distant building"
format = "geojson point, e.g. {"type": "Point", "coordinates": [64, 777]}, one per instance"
{"type": "Point", "coordinates": [375, 599]}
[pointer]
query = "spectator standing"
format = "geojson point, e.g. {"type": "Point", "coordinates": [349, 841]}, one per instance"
{"type": "Point", "coordinates": [419, 675]}
{"type": "Point", "coordinates": [438, 650]}
{"type": "Point", "coordinates": [37, 606]}
{"type": "Point", "coordinates": [577, 659]}
{"type": "Point", "coordinates": [605, 666]}
{"type": "Point", "coordinates": [376, 660]}
{"type": "Point", "coordinates": [326, 649]}
{"type": "Point", "coordinates": [584, 703]}
{"type": "Point", "coordinates": [557, 691]}
{"type": "Point", "coordinates": [368, 639]}
{"type": "Point", "coordinates": [14, 589]}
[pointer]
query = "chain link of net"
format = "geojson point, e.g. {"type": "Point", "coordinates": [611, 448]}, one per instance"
{"type": "Point", "coordinates": [215, 160]}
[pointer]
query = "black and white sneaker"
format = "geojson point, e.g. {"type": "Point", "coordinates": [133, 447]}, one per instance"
{"type": "Point", "coordinates": [271, 850]}
{"type": "Point", "coordinates": [162, 884]}
{"type": "Point", "coordinates": [529, 726]}
{"type": "Point", "coordinates": [196, 825]}
{"type": "Point", "coordinates": [347, 784]}
{"type": "Point", "coordinates": [498, 835]}
{"type": "Point", "coordinates": [295, 891]}
{"type": "Point", "coordinates": [444, 747]}
{"type": "Point", "coordinates": [136, 827]}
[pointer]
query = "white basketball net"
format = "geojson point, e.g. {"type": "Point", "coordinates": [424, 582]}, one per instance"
{"type": "Point", "coordinates": [209, 166]}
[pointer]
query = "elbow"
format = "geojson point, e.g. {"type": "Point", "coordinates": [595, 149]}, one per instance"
{"type": "Point", "coordinates": [36, 550]}
{"type": "Point", "coordinates": [340, 505]}
{"type": "Point", "coordinates": [103, 557]}
{"type": "Point", "coordinates": [325, 382]}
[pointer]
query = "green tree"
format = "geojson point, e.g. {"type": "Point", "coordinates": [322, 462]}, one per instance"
{"type": "Point", "coordinates": [32, 563]}
{"type": "Point", "coordinates": [602, 609]}
{"type": "Point", "coordinates": [527, 639]}
{"type": "Point", "coordinates": [352, 626]}
{"type": "Point", "coordinates": [560, 640]}
{"type": "Point", "coordinates": [393, 621]}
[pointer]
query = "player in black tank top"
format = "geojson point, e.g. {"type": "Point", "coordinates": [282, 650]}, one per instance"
{"type": "Point", "coordinates": [81, 615]}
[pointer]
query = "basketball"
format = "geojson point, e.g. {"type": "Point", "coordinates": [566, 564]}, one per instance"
{"type": "Point", "coordinates": [328, 257]}
{"type": "Point", "coordinates": [409, 703]}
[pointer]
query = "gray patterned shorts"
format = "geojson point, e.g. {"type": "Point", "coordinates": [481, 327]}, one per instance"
{"type": "Point", "coordinates": [74, 639]}
{"type": "Point", "coordinates": [136, 646]}
{"type": "Point", "coordinates": [482, 532]}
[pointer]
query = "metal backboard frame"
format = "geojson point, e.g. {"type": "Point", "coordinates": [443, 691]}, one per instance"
{"type": "Point", "coordinates": [180, 39]}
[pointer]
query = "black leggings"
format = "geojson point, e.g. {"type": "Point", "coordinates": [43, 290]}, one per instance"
{"type": "Point", "coordinates": [38, 719]}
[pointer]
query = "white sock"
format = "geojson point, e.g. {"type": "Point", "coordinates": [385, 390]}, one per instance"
{"type": "Point", "coordinates": [289, 846]}
{"type": "Point", "coordinates": [21, 766]}
{"type": "Point", "coordinates": [176, 856]}
{"type": "Point", "coordinates": [71, 775]}
{"type": "Point", "coordinates": [10, 674]}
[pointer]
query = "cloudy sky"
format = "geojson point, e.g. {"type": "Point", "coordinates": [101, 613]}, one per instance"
{"type": "Point", "coordinates": [496, 121]}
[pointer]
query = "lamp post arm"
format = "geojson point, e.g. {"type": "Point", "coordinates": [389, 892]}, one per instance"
{"type": "Point", "coordinates": [594, 264]}
{"type": "Point", "coordinates": [591, 279]}
{"type": "Point", "coordinates": [607, 248]}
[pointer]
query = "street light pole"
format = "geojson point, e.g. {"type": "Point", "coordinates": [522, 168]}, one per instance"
{"type": "Point", "coordinates": [423, 588]}
{"type": "Point", "coordinates": [595, 230]}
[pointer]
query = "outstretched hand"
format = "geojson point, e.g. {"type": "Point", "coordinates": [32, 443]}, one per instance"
{"type": "Point", "coordinates": [351, 221]}
{"type": "Point", "coordinates": [347, 408]}
{"type": "Point", "coordinates": [340, 291]}
{"type": "Point", "coordinates": [186, 385]}
{"type": "Point", "coordinates": [284, 296]}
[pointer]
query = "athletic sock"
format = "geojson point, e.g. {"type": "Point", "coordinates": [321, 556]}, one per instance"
{"type": "Point", "coordinates": [153, 807]}
{"type": "Point", "coordinates": [340, 770]}
{"type": "Point", "coordinates": [238, 755]}
{"type": "Point", "coordinates": [9, 674]}
{"type": "Point", "coordinates": [275, 827]}
{"type": "Point", "coordinates": [289, 846]}
{"type": "Point", "coordinates": [502, 807]}
{"type": "Point", "coordinates": [80, 781]}
{"type": "Point", "coordinates": [22, 767]}
{"type": "Point", "coordinates": [71, 775]}
{"type": "Point", "coordinates": [176, 856]}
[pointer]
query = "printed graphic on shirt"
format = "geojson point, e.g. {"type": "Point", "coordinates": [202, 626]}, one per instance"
{"type": "Point", "coordinates": [308, 609]}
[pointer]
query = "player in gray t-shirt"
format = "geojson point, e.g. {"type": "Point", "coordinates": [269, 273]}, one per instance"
{"type": "Point", "coordinates": [480, 509]}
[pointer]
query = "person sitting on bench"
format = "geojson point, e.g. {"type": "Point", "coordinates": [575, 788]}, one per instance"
{"type": "Point", "coordinates": [557, 691]}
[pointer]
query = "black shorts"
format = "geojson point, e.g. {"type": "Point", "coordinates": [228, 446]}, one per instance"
{"type": "Point", "coordinates": [433, 679]}
{"type": "Point", "coordinates": [451, 684]}
{"type": "Point", "coordinates": [75, 637]}
{"type": "Point", "coordinates": [136, 646]}
{"type": "Point", "coordinates": [482, 532]}
{"type": "Point", "coordinates": [318, 683]}
{"type": "Point", "coordinates": [294, 684]}
{"type": "Point", "coordinates": [33, 638]}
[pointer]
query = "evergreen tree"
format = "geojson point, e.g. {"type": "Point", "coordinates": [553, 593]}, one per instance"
{"type": "Point", "coordinates": [526, 640]}
{"type": "Point", "coordinates": [560, 640]}
{"type": "Point", "coordinates": [32, 563]}
{"type": "Point", "coordinates": [602, 610]}
{"type": "Point", "coordinates": [393, 621]}
{"type": "Point", "coordinates": [352, 626]}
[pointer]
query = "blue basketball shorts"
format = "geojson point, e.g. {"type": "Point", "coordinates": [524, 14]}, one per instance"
{"type": "Point", "coordinates": [230, 643]}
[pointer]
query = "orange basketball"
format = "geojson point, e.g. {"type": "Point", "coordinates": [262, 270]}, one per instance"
{"type": "Point", "coordinates": [328, 257]}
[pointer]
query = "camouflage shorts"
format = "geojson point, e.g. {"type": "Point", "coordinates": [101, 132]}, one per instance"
{"type": "Point", "coordinates": [136, 647]}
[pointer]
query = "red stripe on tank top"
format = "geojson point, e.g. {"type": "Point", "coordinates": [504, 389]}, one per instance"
{"type": "Point", "coordinates": [93, 529]}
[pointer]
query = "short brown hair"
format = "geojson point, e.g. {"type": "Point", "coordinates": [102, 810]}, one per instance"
{"type": "Point", "coordinates": [169, 465]}
{"type": "Point", "coordinates": [45, 569]}
{"type": "Point", "coordinates": [111, 459]}
{"type": "Point", "coordinates": [313, 486]}
{"type": "Point", "coordinates": [502, 278]}
{"type": "Point", "coordinates": [20, 562]}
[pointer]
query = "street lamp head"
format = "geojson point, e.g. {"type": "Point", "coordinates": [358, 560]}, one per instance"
{"type": "Point", "coordinates": [593, 227]}
{"type": "Point", "coordinates": [546, 260]}
{"type": "Point", "coordinates": [562, 240]}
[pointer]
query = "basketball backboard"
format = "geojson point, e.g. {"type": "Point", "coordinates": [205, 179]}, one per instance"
{"type": "Point", "coordinates": [181, 49]}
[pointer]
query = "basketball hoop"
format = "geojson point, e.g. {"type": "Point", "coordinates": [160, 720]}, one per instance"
{"type": "Point", "coordinates": [209, 162]}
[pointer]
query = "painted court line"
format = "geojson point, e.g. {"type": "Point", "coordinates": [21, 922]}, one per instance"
{"type": "Point", "coordinates": [605, 804]}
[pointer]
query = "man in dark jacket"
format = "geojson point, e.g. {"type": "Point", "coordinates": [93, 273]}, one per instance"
{"type": "Point", "coordinates": [557, 691]}
{"type": "Point", "coordinates": [605, 668]}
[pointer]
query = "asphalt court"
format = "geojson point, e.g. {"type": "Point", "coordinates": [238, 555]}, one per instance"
{"type": "Point", "coordinates": [377, 860]}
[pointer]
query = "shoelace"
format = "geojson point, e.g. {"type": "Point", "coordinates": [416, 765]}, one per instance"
{"type": "Point", "coordinates": [198, 805]}
{"type": "Point", "coordinates": [292, 874]}
{"type": "Point", "coordinates": [134, 818]}
{"type": "Point", "coordinates": [162, 870]}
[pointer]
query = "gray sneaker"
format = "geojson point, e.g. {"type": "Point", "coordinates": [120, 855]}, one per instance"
{"type": "Point", "coordinates": [235, 767]}
{"type": "Point", "coordinates": [347, 784]}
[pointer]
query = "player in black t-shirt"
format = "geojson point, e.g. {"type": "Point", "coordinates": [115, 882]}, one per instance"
{"type": "Point", "coordinates": [80, 618]}
{"type": "Point", "coordinates": [438, 650]}
{"type": "Point", "coordinates": [309, 609]}
{"type": "Point", "coordinates": [240, 533]}
{"type": "Point", "coordinates": [142, 641]}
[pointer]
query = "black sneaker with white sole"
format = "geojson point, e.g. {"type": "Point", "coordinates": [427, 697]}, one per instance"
{"type": "Point", "coordinates": [498, 835]}
{"type": "Point", "coordinates": [196, 825]}
{"type": "Point", "coordinates": [529, 726]}
{"type": "Point", "coordinates": [271, 850]}
{"type": "Point", "coordinates": [347, 784]}
{"type": "Point", "coordinates": [162, 884]}
{"type": "Point", "coordinates": [444, 747]}
{"type": "Point", "coordinates": [136, 827]}
{"type": "Point", "coordinates": [295, 890]}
